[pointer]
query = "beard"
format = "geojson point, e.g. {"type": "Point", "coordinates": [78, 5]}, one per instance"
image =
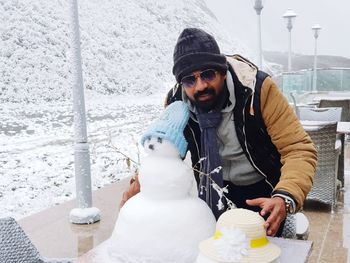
{"type": "Point", "coordinates": [209, 104]}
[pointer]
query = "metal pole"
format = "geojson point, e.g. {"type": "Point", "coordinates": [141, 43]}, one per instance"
{"type": "Point", "coordinates": [289, 16]}
{"type": "Point", "coordinates": [314, 82]}
{"type": "Point", "coordinates": [316, 28]}
{"type": "Point", "coordinates": [341, 79]}
{"type": "Point", "coordinates": [258, 7]}
{"type": "Point", "coordinates": [84, 213]}
{"type": "Point", "coordinates": [290, 49]}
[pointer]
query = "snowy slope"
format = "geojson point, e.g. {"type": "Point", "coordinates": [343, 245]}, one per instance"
{"type": "Point", "coordinates": [126, 46]}
{"type": "Point", "coordinates": [127, 49]}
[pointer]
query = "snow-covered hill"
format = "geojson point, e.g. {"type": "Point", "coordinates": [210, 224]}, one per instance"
{"type": "Point", "coordinates": [127, 49]}
{"type": "Point", "coordinates": [127, 46]}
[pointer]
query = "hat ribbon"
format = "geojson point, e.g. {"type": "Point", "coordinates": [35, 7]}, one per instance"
{"type": "Point", "coordinates": [254, 243]}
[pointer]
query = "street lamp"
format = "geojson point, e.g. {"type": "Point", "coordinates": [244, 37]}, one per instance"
{"type": "Point", "coordinates": [84, 213]}
{"type": "Point", "coordinates": [258, 6]}
{"type": "Point", "coordinates": [289, 16]}
{"type": "Point", "coordinates": [316, 28]}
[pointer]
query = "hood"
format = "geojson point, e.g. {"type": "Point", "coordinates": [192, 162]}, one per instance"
{"type": "Point", "coordinates": [246, 73]}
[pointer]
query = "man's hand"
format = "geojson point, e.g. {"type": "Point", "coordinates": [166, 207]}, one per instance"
{"type": "Point", "coordinates": [275, 207]}
{"type": "Point", "coordinates": [133, 190]}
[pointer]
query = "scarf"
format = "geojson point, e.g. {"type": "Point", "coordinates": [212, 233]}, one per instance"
{"type": "Point", "coordinates": [208, 123]}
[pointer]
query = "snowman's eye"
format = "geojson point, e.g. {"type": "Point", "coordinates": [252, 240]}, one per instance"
{"type": "Point", "coordinates": [160, 140]}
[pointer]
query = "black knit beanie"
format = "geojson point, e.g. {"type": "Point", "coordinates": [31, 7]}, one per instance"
{"type": "Point", "coordinates": [195, 50]}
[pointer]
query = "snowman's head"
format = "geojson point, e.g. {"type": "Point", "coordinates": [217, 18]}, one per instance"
{"type": "Point", "coordinates": [161, 147]}
{"type": "Point", "coordinates": [163, 175]}
{"type": "Point", "coordinates": [168, 128]}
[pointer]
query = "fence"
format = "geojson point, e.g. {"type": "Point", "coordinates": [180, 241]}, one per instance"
{"type": "Point", "coordinates": [330, 79]}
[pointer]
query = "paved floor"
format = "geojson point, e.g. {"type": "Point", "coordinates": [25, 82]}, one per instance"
{"type": "Point", "coordinates": [55, 237]}
{"type": "Point", "coordinates": [331, 232]}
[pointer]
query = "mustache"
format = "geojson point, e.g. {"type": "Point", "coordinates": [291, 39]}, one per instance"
{"type": "Point", "coordinates": [206, 91]}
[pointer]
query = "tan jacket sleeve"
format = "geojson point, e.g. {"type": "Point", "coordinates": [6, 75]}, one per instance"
{"type": "Point", "coordinates": [298, 153]}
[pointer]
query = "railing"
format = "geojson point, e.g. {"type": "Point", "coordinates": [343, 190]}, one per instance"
{"type": "Point", "coordinates": [330, 79]}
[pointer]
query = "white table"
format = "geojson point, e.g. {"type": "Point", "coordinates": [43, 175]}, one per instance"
{"type": "Point", "coordinates": [293, 251]}
{"type": "Point", "coordinates": [314, 125]}
{"type": "Point", "coordinates": [331, 96]}
{"type": "Point", "coordinates": [343, 127]}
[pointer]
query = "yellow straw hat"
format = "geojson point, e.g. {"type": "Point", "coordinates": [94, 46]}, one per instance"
{"type": "Point", "coordinates": [240, 237]}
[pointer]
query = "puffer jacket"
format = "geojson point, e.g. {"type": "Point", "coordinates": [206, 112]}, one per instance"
{"type": "Point", "coordinates": [268, 130]}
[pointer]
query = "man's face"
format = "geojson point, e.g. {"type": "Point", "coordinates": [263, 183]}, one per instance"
{"type": "Point", "coordinates": [203, 88]}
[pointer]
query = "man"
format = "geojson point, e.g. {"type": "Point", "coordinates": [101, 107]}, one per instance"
{"type": "Point", "coordinates": [241, 122]}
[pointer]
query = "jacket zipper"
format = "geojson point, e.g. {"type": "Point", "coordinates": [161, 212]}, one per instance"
{"type": "Point", "coordinates": [245, 144]}
{"type": "Point", "coordinates": [194, 138]}
{"type": "Point", "coordinates": [246, 147]}
{"type": "Point", "coordinates": [200, 183]}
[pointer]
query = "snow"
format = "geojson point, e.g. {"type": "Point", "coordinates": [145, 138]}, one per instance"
{"type": "Point", "coordinates": [166, 206]}
{"type": "Point", "coordinates": [37, 147]}
{"type": "Point", "coordinates": [87, 215]}
{"type": "Point", "coordinates": [126, 50]}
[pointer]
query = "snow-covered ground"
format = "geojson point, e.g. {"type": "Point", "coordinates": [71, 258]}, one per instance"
{"type": "Point", "coordinates": [37, 148]}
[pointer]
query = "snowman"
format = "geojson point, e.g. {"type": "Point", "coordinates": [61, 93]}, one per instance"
{"type": "Point", "coordinates": [164, 222]}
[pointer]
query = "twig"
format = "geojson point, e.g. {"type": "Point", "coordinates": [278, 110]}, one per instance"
{"type": "Point", "coordinates": [220, 191]}
{"type": "Point", "coordinates": [111, 145]}
{"type": "Point", "coordinates": [118, 151]}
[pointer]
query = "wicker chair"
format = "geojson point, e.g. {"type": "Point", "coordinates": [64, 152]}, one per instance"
{"type": "Point", "coordinates": [344, 104]}
{"type": "Point", "coordinates": [320, 114]}
{"type": "Point", "coordinates": [324, 188]}
{"type": "Point", "coordinates": [345, 116]}
{"type": "Point", "coordinates": [328, 114]}
{"type": "Point", "coordinates": [289, 229]}
{"type": "Point", "coordinates": [16, 247]}
{"type": "Point", "coordinates": [301, 101]}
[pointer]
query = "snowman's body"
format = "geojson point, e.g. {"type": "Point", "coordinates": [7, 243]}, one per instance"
{"type": "Point", "coordinates": [163, 223]}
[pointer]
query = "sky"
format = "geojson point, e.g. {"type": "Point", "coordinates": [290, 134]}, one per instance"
{"type": "Point", "coordinates": [332, 15]}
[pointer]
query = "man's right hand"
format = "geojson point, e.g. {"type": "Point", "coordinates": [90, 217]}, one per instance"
{"type": "Point", "coordinates": [134, 188]}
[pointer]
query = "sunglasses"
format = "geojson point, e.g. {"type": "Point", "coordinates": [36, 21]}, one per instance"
{"type": "Point", "coordinates": [206, 75]}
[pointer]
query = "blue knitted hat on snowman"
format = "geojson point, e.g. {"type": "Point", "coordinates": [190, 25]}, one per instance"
{"type": "Point", "coordinates": [170, 126]}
